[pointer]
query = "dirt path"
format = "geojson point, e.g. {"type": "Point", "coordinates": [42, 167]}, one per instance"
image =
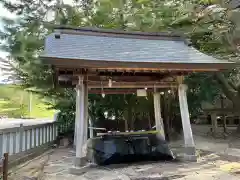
{"type": "Point", "coordinates": [31, 170]}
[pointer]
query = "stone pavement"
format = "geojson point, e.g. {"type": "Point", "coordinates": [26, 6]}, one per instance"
{"type": "Point", "coordinates": [209, 167]}
{"type": "Point", "coordinates": [30, 170]}
{"type": "Point", "coordinates": [219, 146]}
{"type": "Point", "coordinates": [222, 147]}
{"type": "Point", "coordinates": [212, 164]}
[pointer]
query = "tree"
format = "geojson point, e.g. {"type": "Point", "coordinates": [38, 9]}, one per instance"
{"type": "Point", "coordinates": [206, 24]}
{"type": "Point", "coordinates": [216, 32]}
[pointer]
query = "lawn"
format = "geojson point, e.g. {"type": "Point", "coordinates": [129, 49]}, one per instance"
{"type": "Point", "coordinates": [16, 102]}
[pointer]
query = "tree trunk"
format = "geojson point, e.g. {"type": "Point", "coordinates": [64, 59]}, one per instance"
{"type": "Point", "coordinates": [130, 119]}
{"type": "Point", "coordinates": [168, 116]}
{"type": "Point", "coordinates": [126, 124]}
{"type": "Point", "coordinates": [238, 128]}
{"type": "Point", "coordinates": [231, 92]}
{"type": "Point", "coordinates": [149, 121]}
{"type": "Point", "coordinates": [224, 124]}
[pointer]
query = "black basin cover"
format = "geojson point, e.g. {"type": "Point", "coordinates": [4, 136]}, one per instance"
{"type": "Point", "coordinates": [114, 149]}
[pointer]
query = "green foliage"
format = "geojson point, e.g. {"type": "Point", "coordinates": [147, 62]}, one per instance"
{"type": "Point", "coordinates": [204, 24]}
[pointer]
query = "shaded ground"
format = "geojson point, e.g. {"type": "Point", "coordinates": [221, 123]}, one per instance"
{"type": "Point", "coordinates": [229, 145]}
{"type": "Point", "coordinates": [216, 161]}
{"type": "Point", "coordinates": [210, 166]}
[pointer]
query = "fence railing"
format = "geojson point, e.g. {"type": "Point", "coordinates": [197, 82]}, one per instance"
{"type": "Point", "coordinates": [20, 139]}
{"type": "Point", "coordinates": [4, 166]}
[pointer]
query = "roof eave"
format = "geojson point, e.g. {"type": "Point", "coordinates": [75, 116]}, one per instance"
{"type": "Point", "coordinates": [82, 63]}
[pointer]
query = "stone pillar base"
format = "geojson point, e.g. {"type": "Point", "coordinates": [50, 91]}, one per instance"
{"type": "Point", "coordinates": [191, 158]}
{"type": "Point", "coordinates": [80, 166]}
{"type": "Point", "coordinates": [190, 154]}
{"type": "Point", "coordinates": [79, 162]}
{"type": "Point", "coordinates": [80, 170]}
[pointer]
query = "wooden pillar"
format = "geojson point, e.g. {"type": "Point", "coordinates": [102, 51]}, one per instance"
{"type": "Point", "coordinates": [86, 112]}
{"type": "Point", "coordinates": [80, 122]}
{"type": "Point", "coordinates": [126, 125]}
{"type": "Point", "coordinates": [157, 112]}
{"type": "Point", "coordinates": [224, 123]}
{"type": "Point", "coordinates": [214, 123]}
{"type": "Point", "coordinates": [90, 125]}
{"type": "Point", "coordinates": [77, 112]}
{"type": "Point", "coordinates": [187, 130]}
{"type": "Point", "coordinates": [223, 115]}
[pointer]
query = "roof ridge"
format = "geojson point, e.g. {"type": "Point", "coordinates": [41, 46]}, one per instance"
{"type": "Point", "coordinates": [117, 31]}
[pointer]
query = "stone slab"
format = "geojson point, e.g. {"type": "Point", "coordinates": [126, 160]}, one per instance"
{"type": "Point", "coordinates": [80, 170]}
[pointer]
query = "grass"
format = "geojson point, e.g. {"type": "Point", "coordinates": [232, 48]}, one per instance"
{"type": "Point", "coordinates": [15, 102]}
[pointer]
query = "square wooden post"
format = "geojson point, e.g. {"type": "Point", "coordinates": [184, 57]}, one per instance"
{"type": "Point", "coordinates": [86, 112]}
{"type": "Point", "coordinates": [91, 127]}
{"type": "Point", "coordinates": [76, 113]}
{"type": "Point", "coordinates": [158, 116]}
{"type": "Point", "coordinates": [80, 122]}
{"type": "Point", "coordinates": [214, 123]}
{"type": "Point", "coordinates": [190, 151]}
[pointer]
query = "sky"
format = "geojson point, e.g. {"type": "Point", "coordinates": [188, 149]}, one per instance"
{"type": "Point", "coordinates": [3, 13]}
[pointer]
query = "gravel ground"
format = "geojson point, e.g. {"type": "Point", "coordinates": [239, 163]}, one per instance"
{"type": "Point", "coordinates": [220, 164]}
{"type": "Point", "coordinates": [210, 166]}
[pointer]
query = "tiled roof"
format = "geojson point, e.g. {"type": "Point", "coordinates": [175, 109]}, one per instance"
{"type": "Point", "coordinates": [113, 48]}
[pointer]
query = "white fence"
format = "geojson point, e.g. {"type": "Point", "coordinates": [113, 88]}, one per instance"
{"type": "Point", "coordinates": [20, 139]}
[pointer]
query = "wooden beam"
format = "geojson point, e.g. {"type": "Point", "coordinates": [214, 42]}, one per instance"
{"type": "Point", "coordinates": [120, 65]}
{"type": "Point", "coordinates": [116, 91]}
{"type": "Point", "coordinates": [132, 85]}
{"type": "Point", "coordinates": [116, 72]}
{"type": "Point", "coordinates": [125, 78]}
{"type": "Point", "coordinates": [122, 85]}
{"type": "Point", "coordinates": [116, 78]}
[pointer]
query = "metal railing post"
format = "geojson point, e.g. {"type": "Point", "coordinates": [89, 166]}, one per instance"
{"type": "Point", "coordinates": [21, 134]}
{"type": "Point", "coordinates": [39, 136]}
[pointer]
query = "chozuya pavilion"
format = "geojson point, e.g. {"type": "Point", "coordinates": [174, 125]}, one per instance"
{"type": "Point", "coordinates": [89, 58]}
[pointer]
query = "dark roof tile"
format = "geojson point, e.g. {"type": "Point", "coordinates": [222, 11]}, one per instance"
{"type": "Point", "coordinates": [90, 47]}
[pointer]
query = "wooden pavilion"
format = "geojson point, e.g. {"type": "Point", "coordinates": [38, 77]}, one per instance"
{"type": "Point", "coordinates": [113, 62]}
